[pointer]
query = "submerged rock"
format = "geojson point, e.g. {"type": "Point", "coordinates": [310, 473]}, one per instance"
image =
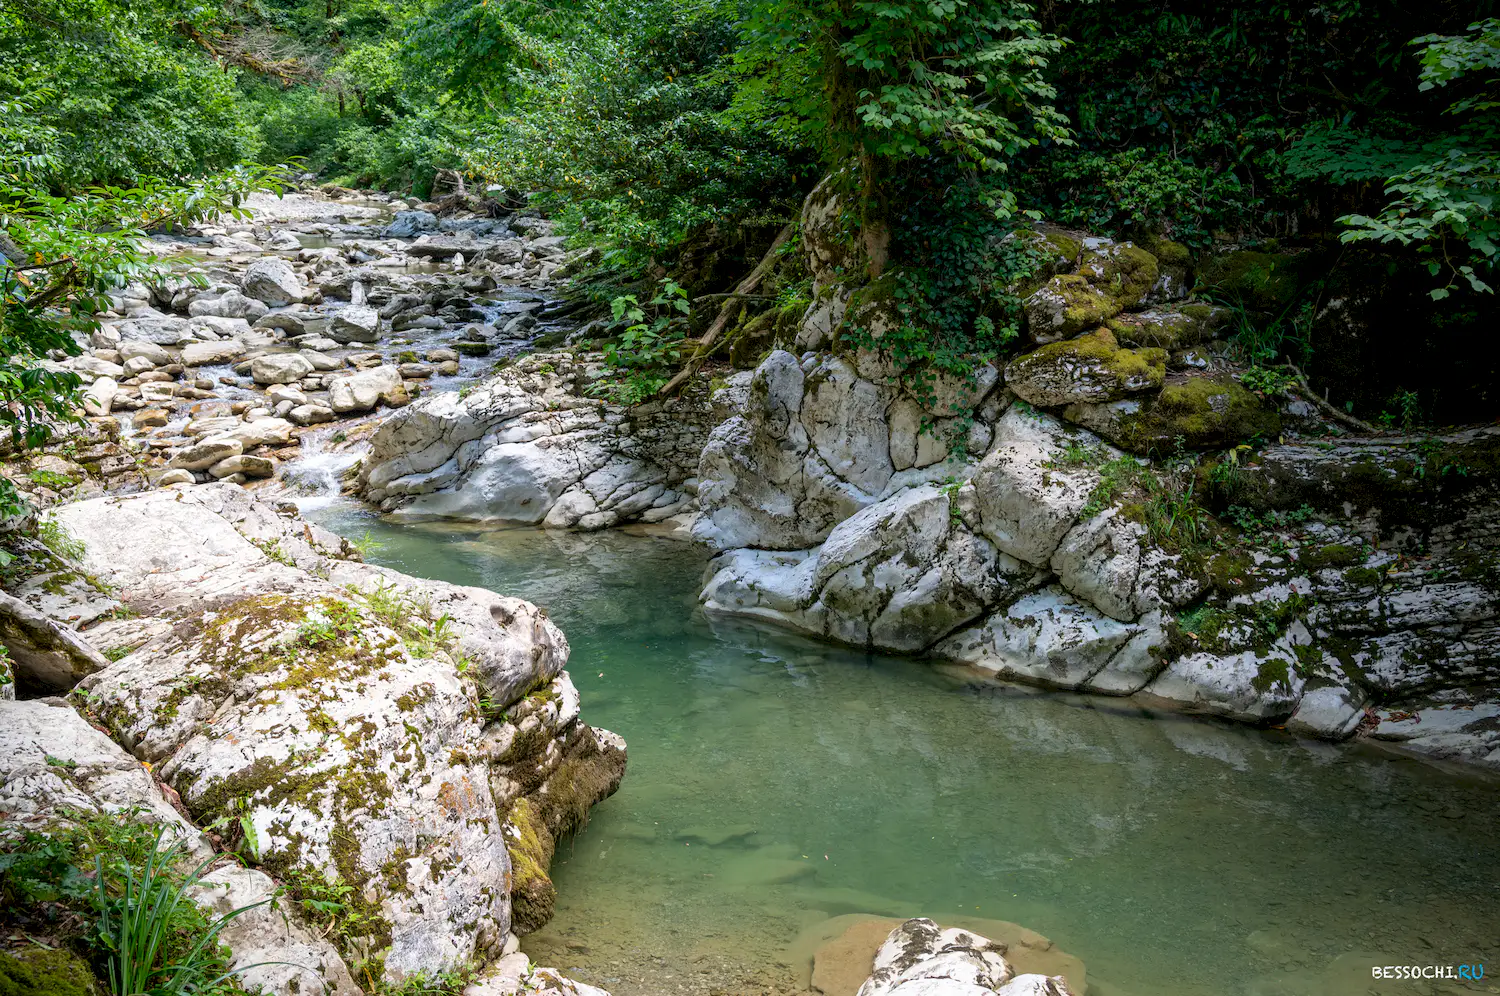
{"type": "Point", "coordinates": [919, 958]}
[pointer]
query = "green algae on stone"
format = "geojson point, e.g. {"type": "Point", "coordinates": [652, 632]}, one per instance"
{"type": "Point", "coordinates": [532, 894]}
{"type": "Point", "coordinates": [1107, 282]}
{"type": "Point", "coordinates": [1193, 413]}
{"type": "Point", "coordinates": [1090, 368]}
{"type": "Point", "coordinates": [1170, 328]}
{"type": "Point", "coordinates": [1260, 281]}
{"type": "Point", "coordinates": [46, 972]}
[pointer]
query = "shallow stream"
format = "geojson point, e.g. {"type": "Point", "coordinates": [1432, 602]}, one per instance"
{"type": "Point", "coordinates": [774, 782]}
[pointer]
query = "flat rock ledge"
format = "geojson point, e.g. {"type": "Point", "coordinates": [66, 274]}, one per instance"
{"type": "Point", "coordinates": [417, 740]}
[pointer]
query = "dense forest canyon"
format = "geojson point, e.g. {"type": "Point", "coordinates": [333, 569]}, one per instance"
{"type": "Point", "coordinates": [1024, 478]}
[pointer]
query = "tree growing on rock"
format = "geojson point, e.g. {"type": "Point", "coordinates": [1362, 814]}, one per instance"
{"type": "Point", "coordinates": [886, 87]}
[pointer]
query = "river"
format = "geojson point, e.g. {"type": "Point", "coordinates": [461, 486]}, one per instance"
{"type": "Point", "coordinates": [774, 782]}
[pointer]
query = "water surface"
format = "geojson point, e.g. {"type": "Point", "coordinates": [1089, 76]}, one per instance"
{"type": "Point", "coordinates": [774, 783]}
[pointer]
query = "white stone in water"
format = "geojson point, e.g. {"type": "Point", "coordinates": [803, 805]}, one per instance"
{"type": "Point", "coordinates": [280, 368]}
{"type": "Point", "coordinates": [204, 354]}
{"type": "Point", "coordinates": [204, 454]}
{"type": "Point", "coordinates": [273, 281]}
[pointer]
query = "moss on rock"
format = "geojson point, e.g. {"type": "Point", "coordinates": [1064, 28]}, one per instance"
{"type": "Point", "coordinates": [1170, 328]}
{"type": "Point", "coordinates": [532, 894]}
{"type": "Point", "coordinates": [43, 972]}
{"type": "Point", "coordinates": [1261, 281]}
{"type": "Point", "coordinates": [1091, 368]}
{"type": "Point", "coordinates": [1193, 413]}
{"type": "Point", "coordinates": [1107, 282]}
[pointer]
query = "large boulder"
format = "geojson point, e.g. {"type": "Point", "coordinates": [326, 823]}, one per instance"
{"type": "Point", "coordinates": [1029, 492]}
{"type": "Point", "coordinates": [525, 446]}
{"type": "Point", "coordinates": [53, 761]}
{"type": "Point", "coordinates": [1091, 368]}
{"type": "Point", "coordinates": [897, 575]}
{"type": "Point", "coordinates": [272, 280]}
{"type": "Point", "coordinates": [164, 330]}
{"type": "Point", "coordinates": [141, 348]}
{"type": "Point", "coordinates": [813, 441]}
{"type": "Point", "coordinates": [207, 452]}
{"type": "Point", "coordinates": [363, 391]}
{"type": "Point", "coordinates": [55, 766]}
{"type": "Point", "coordinates": [43, 652]}
{"type": "Point", "coordinates": [1190, 412]}
{"type": "Point", "coordinates": [229, 304]}
{"type": "Point", "coordinates": [1048, 637]}
{"type": "Point", "coordinates": [373, 729]}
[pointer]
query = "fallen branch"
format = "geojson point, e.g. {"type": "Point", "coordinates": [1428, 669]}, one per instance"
{"type": "Point", "coordinates": [744, 289]}
{"type": "Point", "coordinates": [1327, 407]}
{"type": "Point", "coordinates": [223, 48]}
{"type": "Point", "coordinates": [742, 297]}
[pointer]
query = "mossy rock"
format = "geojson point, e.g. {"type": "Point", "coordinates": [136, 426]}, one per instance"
{"type": "Point", "coordinates": [39, 972]}
{"type": "Point", "coordinates": [831, 254]}
{"type": "Point", "coordinates": [473, 348]}
{"type": "Point", "coordinates": [1167, 252]}
{"type": "Point", "coordinates": [1107, 282]}
{"type": "Point", "coordinates": [875, 307]}
{"type": "Point", "coordinates": [1171, 328]}
{"type": "Point", "coordinates": [1261, 281]}
{"type": "Point", "coordinates": [1092, 368]}
{"type": "Point", "coordinates": [1194, 413]}
{"type": "Point", "coordinates": [1056, 251]}
{"type": "Point", "coordinates": [532, 894]}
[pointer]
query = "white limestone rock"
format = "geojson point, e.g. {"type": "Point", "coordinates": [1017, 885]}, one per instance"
{"type": "Point", "coordinates": [285, 693]}
{"type": "Point", "coordinates": [272, 951]}
{"type": "Point", "coordinates": [1029, 494]}
{"type": "Point", "coordinates": [279, 368]}
{"type": "Point", "coordinates": [919, 958]}
{"type": "Point", "coordinates": [1048, 637]}
{"type": "Point", "coordinates": [272, 281]}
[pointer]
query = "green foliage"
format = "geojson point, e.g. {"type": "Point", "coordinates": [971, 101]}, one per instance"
{"type": "Point", "coordinates": [117, 92]}
{"type": "Point", "coordinates": [648, 347]}
{"type": "Point", "coordinates": [950, 289]}
{"type": "Point", "coordinates": [60, 255]}
{"type": "Point", "coordinates": [128, 879]}
{"type": "Point", "coordinates": [141, 913]}
{"type": "Point", "coordinates": [51, 480]}
{"type": "Point", "coordinates": [615, 112]}
{"type": "Point", "coordinates": [1267, 380]}
{"type": "Point", "coordinates": [1404, 411]}
{"type": "Point", "coordinates": [57, 539]}
{"type": "Point", "coordinates": [1140, 190]}
{"type": "Point", "coordinates": [1446, 204]}
{"type": "Point", "coordinates": [888, 82]}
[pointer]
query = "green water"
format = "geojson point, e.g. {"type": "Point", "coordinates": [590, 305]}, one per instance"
{"type": "Point", "coordinates": [774, 782]}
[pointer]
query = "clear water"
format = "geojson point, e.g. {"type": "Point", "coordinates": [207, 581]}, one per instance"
{"type": "Point", "coordinates": [774, 783]}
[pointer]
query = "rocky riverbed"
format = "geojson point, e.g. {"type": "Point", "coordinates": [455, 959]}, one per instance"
{"type": "Point", "coordinates": [311, 311]}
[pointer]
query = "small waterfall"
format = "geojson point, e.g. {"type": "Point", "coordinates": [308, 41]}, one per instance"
{"type": "Point", "coordinates": [314, 478]}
